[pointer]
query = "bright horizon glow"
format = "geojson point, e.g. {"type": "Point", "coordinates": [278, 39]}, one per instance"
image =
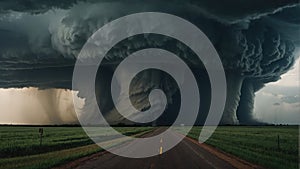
{"type": "Point", "coordinates": [291, 78]}
{"type": "Point", "coordinates": [265, 108]}
{"type": "Point", "coordinates": [33, 106]}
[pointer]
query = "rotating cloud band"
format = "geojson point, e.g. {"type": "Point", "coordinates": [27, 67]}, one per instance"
{"type": "Point", "coordinates": [107, 37]}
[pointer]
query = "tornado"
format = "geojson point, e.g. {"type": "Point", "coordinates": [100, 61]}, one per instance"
{"type": "Point", "coordinates": [256, 46]}
{"type": "Point", "coordinates": [246, 104]}
{"type": "Point", "coordinates": [234, 84]}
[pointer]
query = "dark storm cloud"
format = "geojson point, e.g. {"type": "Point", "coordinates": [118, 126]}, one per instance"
{"type": "Point", "coordinates": [35, 6]}
{"type": "Point", "coordinates": [257, 42]}
{"type": "Point", "coordinates": [231, 11]}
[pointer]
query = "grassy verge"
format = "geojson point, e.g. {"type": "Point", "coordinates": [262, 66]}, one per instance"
{"type": "Point", "coordinates": [48, 160]}
{"type": "Point", "coordinates": [51, 159]}
{"type": "Point", "coordinates": [258, 145]}
{"type": "Point", "coordinates": [20, 141]}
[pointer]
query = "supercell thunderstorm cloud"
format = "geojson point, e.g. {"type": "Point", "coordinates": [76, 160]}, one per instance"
{"type": "Point", "coordinates": [257, 42]}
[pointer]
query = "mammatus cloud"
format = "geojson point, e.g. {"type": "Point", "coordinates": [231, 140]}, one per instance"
{"type": "Point", "coordinates": [257, 42]}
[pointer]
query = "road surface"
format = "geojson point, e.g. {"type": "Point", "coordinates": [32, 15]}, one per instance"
{"type": "Point", "coordinates": [186, 155]}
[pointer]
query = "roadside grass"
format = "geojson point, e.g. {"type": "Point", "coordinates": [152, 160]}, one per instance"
{"type": "Point", "coordinates": [48, 160]}
{"type": "Point", "coordinates": [19, 141]}
{"type": "Point", "coordinates": [258, 145]}
{"type": "Point", "coordinates": [57, 138]}
{"type": "Point", "coordinates": [19, 146]}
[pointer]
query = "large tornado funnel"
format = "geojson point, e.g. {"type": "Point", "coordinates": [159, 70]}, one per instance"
{"type": "Point", "coordinates": [234, 84]}
{"type": "Point", "coordinates": [245, 108]}
{"type": "Point", "coordinates": [246, 105]}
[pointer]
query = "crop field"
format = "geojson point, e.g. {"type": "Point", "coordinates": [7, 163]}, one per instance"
{"type": "Point", "coordinates": [258, 145]}
{"type": "Point", "coordinates": [20, 146]}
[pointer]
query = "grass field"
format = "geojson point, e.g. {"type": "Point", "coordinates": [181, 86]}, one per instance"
{"type": "Point", "coordinates": [20, 146]}
{"type": "Point", "coordinates": [258, 145]}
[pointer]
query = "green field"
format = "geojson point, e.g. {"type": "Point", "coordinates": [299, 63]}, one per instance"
{"type": "Point", "coordinates": [20, 146]}
{"type": "Point", "coordinates": [258, 145]}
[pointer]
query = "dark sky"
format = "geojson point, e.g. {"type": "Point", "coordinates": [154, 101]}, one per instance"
{"type": "Point", "coordinates": [258, 41]}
